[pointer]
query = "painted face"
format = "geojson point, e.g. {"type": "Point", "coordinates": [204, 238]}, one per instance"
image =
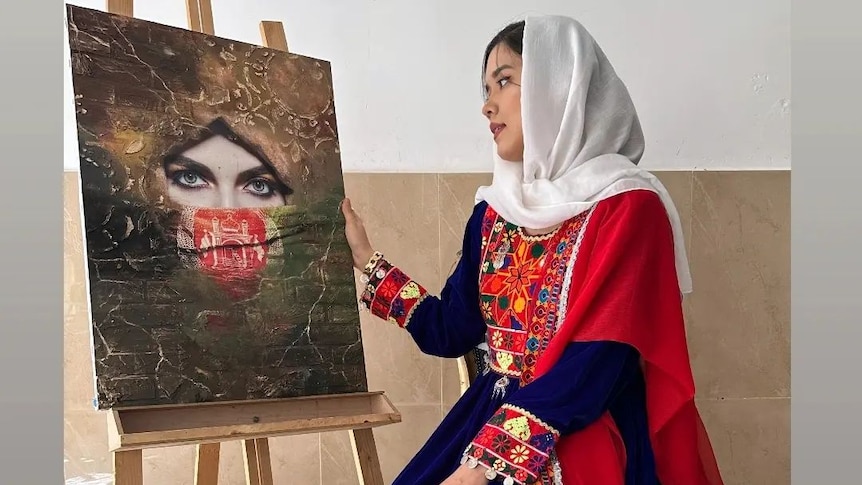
{"type": "Point", "coordinates": [503, 102]}
{"type": "Point", "coordinates": [220, 173]}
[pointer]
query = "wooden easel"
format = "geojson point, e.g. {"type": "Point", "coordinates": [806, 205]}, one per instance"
{"type": "Point", "coordinates": [133, 429]}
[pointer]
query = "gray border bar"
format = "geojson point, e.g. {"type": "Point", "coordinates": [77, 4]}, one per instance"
{"type": "Point", "coordinates": [826, 304]}
{"type": "Point", "coordinates": [31, 332]}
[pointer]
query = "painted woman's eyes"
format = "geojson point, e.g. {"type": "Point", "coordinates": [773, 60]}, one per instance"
{"type": "Point", "coordinates": [260, 187]}
{"type": "Point", "coordinates": [189, 178]}
{"type": "Point", "coordinates": [192, 179]}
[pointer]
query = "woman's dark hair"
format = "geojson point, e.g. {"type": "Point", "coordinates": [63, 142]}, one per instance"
{"type": "Point", "coordinates": [512, 36]}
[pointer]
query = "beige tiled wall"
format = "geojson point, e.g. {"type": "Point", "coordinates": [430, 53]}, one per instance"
{"type": "Point", "coordinates": [738, 229]}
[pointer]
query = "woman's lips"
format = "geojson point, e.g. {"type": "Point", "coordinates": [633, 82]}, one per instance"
{"type": "Point", "coordinates": [496, 128]}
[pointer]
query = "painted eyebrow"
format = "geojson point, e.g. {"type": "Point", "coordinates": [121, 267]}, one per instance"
{"type": "Point", "coordinates": [189, 164]}
{"type": "Point", "coordinates": [254, 172]}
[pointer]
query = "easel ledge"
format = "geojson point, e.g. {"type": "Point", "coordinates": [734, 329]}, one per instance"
{"type": "Point", "coordinates": [207, 425]}
{"type": "Point", "coordinates": [132, 428]}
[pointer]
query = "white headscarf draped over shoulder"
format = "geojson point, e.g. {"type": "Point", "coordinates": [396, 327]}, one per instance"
{"type": "Point", "coordinates": [582, 136]}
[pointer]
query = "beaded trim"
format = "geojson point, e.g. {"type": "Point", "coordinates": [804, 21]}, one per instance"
{"type": "Point", "coordinates": [538, 237]}
{"type": "Point", "coordinates": [373, 262]}
{"type": "Point", "coordinates": [491, 473]}
{"type": "Point", "coordinates": [391, 295]}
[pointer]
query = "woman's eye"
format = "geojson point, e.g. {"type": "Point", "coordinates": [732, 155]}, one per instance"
{"type": "Point", "coordinates": [259, 187]}
{"type": "Point", "coordinates": [503, 82]}
{"type": "Point", "coordinates": [189, 178]}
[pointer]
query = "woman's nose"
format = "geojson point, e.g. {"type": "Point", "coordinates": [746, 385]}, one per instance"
{"type": "Point", "coordinates": [227, 197]}
{"type": "Point", "coordinates": [488, 109]}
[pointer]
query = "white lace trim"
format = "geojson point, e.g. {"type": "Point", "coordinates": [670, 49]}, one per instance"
{"type": "Point", "coordinates": [567, 279]}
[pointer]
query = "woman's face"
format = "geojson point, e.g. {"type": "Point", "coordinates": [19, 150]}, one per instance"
{"type": "Point", "coordinates": [219, 173]}
{"type": "Point", "coordinates": [503, 102]}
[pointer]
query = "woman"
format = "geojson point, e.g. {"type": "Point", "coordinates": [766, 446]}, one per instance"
{"type": "Point", "coordinates": [234, 203]}
{"type": "Point", "coordinates": [572, 267]}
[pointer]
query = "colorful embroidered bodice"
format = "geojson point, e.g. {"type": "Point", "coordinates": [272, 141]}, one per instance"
{"type": "Point", "coordinates": [521, 289]}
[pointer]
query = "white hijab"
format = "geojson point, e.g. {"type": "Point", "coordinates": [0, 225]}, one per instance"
{"type": "Point", "coordinates": [582, 137]}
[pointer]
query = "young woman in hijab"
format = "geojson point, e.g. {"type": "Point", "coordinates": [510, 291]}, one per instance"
{"type": "Point", "coordinates": [572, 271]}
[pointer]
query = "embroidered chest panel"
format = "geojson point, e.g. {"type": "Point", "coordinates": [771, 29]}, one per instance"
{"type": "Point", "coordinates": [521, 288]}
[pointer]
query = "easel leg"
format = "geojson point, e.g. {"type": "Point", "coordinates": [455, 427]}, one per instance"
{"type": "Point", "coordinates": [129, 467]}
{"type": "Point", "coordinates": [258, 468]}
{"type": "Point", "coordinates": [121, 7]}
{"type": "Point", "coordinates": [252, 476]}
{"type": "Point", "coordinates": [365, 455]}
{"type": "Point", "coordinates": [206, 464]}
{"type": "Point", "coordinates": [264, 465]}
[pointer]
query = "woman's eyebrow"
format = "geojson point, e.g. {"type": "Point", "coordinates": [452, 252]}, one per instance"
{"type": "Point", "coordinates": [500, 69]}
{"type": "Point", "coordinates": [496, 74]}
{"type": "Point", "coordinates": [189, 164]}
{"type": "Point", "coordinates": [254, 172]}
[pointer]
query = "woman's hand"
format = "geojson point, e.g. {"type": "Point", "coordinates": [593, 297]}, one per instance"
{"type": "Point", "coordinates": [357, 238]}
{"type": "Point", "coordinates": [465, 475]}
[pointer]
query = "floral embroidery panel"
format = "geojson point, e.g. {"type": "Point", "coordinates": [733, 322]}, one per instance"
{"type": "Point", "coordinates": [520, 286]}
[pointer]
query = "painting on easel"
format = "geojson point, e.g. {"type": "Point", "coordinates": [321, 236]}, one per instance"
{"type": "Point", "coordinates": [211, 181]}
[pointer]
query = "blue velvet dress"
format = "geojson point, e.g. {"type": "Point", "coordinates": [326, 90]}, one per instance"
{"type": "Point", "coordinates": [507, 420]}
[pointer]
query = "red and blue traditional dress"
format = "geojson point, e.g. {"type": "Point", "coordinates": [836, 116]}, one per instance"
{"type": "Point", "coordinates": [587, 378]}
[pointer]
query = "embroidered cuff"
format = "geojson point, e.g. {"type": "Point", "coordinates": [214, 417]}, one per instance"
{"type": "Point", "coordinates": [391, 295]}
{"type": "Point", "coordinates": [515, 444]}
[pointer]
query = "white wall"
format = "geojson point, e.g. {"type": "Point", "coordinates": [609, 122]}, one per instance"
{"type": "Point", "coordinates": [711, 79]}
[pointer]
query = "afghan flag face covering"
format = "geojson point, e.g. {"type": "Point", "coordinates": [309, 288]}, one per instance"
{"type": "Point", "coordinates": [234, 246]}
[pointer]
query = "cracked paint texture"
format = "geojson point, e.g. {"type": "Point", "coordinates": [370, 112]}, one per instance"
{"type": "Point", "coordinates": [194, 303]}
